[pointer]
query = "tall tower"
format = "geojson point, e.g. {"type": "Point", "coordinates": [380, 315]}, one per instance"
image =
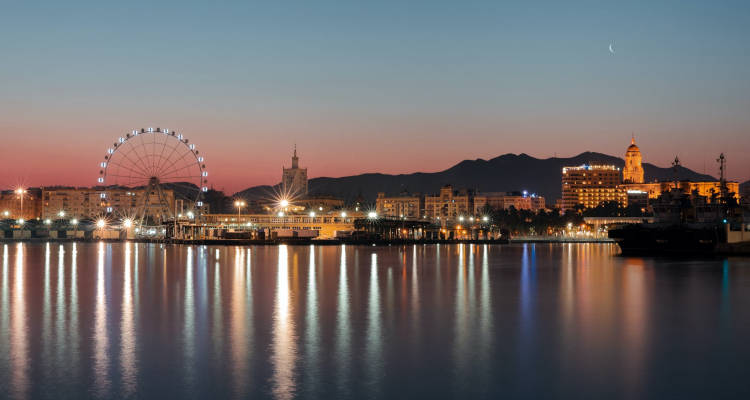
{"type": "Point", "coordinates": [633, 171]}
{"type": "Point", "coordinates": [294, 179]}
{"type": "Point", "coordinates": [295, 159]}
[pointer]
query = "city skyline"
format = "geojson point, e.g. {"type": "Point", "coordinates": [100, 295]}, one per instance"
{"type": "Point", "coordinates": [385, 87]}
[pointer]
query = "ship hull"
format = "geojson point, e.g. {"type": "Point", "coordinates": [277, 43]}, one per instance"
{"type": "Point", "coordinates": [666, 240]}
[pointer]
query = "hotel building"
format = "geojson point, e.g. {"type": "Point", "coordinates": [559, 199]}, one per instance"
{"type": "Point", "coordinates": [591, 185]}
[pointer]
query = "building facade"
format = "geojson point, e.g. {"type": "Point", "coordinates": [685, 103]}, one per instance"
{"type": "Point", "coordinates": [707, 189]}
{"type": "Point", "coordinates": [504, 201]}
{"type": "Point", "coordinates": [325, 225]}
{"type": "Point", "coordinates": [93, 202]}
{"type": "Point", "coordinates": [294, 179]}
{"type": "Point", "coordinates": [591, 185]}
{"type": "Point", "coordinates": [449, 205]}
{"type": "Point", "coordinates": [21, 204]}
{"type": "Point", "coordinates": [403, 206]}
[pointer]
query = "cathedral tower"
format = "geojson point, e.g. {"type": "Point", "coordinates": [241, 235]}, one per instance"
{"type": "Point", "coordinates": [633, 171]}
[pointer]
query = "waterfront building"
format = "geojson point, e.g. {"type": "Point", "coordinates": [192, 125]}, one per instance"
{"type": "Point", "coordinates": [633, 171]}
{"type": "Point", "coordinates": [403, 206]}
{"type": "Point", "coordinates": [635, 185]}
{"type": "Point", "coordinates": [320, 225]}
{"type": "Point", "coordinates": [20, 203]}
{"type": "Point", "coordinates": [69, 202]}
{"type": "Point", "coordinates": [294, 179]}
{"type": "Point", "coordinates": [319, 203]}
{"type": "Point", "coordinates": [591, 185]}
{"type": "Point", "coordinates": [707, 189]}
{"type": "Point", "coordinates": [449, 205]}
{"type": "Point", "coordinates": [506, 200]}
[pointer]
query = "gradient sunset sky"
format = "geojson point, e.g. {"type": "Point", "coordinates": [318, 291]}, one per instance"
{"type": "Point", "coordinates": [377, 86]}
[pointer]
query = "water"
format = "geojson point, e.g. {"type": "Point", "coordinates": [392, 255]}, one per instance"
{"type": "Point", "coordinates": [95, 320]}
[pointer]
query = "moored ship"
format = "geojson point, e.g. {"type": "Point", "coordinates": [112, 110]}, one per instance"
{"type": "Point", "coordinates": [689, 224]}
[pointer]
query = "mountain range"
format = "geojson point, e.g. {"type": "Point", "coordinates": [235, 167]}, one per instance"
{"type": "Point", "coordinates": [508, 172]}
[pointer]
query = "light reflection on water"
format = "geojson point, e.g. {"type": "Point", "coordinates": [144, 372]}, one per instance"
{"type": "Point", "coordinates": [137, 320]}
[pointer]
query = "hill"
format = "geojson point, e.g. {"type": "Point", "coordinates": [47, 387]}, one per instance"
{"type": "Point", "coordinates": [508, 172]}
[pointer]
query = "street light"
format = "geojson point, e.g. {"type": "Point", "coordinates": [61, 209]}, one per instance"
{"type": "Point", "coordinates": [372, 215]}
{"type": "Point", "coordinates": [61, 214]}
{"type": "Point", "coordinates": [312, 214]}
{"type": "Point", "coordinates": [20, 192]}
{"type": "Point", "coordinates": [127, 223]}
{"type": "Point", "coordinates": [47, 222]}
{"type": "Point", "coordinates": [284, 203]}
{"type": "Point", "coordinates": [239, 204]}
{"type": "Point", "coordinates": [101, 223]}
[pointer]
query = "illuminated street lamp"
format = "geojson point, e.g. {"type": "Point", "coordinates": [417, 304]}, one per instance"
{"type": "Point", "coordinates": [74, 222]}
{"type": "Point", "coordinates": [61, 214]}
{"type": "Point", "coordinates": [343, 214]}
{"type": "Point", "coordinates": [485, 218]}
{"type": "Point", "coordinates": [280, 214]}
{"type": "Point", "coordinates": [312, 214]}
{"type": "Point", "coordinates": [47, 222]}
{"type": "Point", "coordinates": [239, 204]}
{"type": "Point", "coordinates": [101, 223]}
{"type": "Point", "coordinates": [21, 194]}
{"type": "Point", "coordinates": [6, 213]}
{"type": "Point", "coordinates": [21, 221]}
{"type": "Point", "coordinates": [372, 215]}
{"type": "Point", "coordinates": [284, 203]}
{"type": "Point", "coordinates": [127, 223]}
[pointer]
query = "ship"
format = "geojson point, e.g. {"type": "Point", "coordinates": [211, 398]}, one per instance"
{"type": "Point", "coordinates": [688, 224]}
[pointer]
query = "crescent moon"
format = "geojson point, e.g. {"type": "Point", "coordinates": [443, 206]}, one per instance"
{"type": "Point", "coordinates": [611, 50]}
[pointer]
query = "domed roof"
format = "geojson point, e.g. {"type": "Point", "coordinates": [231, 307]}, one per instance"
{"type": "Point", "coordinates": [632, 146]}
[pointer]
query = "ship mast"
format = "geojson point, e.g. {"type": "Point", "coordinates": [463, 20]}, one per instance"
{"type": "Point", "coordinates": [722, 166]}
{"type": "Point", "coordinates": [675, 167]}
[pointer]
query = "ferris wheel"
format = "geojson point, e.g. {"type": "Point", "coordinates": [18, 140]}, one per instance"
{"type": "Point", "coordinates": [146, 172]}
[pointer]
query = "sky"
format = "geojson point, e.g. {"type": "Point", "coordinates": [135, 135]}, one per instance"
{"type": "Point", "coordinates": [386, 86]}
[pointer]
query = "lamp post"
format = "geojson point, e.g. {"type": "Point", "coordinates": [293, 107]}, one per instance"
{"type": "Point", "coordinates": [21, 192]}
{"type": "Point", "coordinates": [239, 204]}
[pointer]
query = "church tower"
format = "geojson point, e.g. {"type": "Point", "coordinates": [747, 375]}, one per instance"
{"type": "Point", "coordinates": [294, 180]}
{"type": "Point", "coordinates": [633, 172]}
